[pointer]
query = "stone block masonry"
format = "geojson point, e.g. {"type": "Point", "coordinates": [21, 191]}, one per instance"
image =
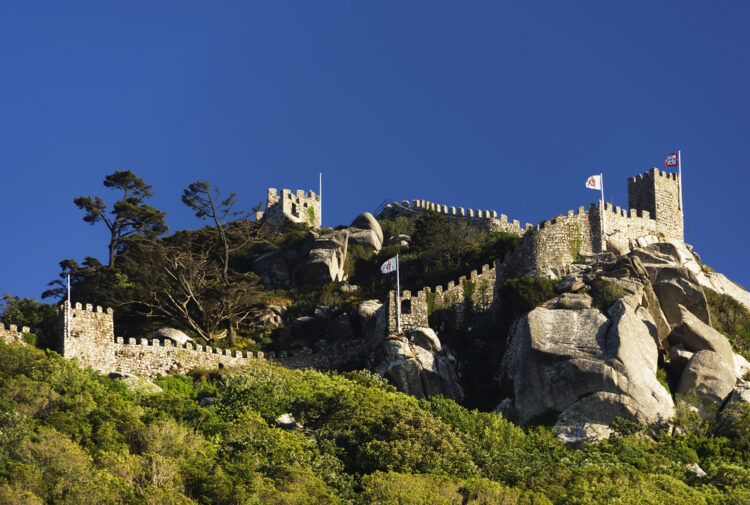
{"type": "Point", "coordinates": [93, 344]}
{"type": "Point", "coordinates": [488, 219]}
{"type": "Point", "coordinates": [289, 207]}
{"type": "Point", "coordinates": [473, 294]}
{"type": "Point", "coordinates": [549, 247]}
{"type": "Point", "coordinates": [12, 334]}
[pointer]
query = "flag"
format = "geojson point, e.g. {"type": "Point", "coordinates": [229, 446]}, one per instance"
{"type": "Point", "coordinates": [672, 160]}
{"type": "Point", "coordinates": [594, 182]}
{"type": "Point", "coordinates": [389, 266]}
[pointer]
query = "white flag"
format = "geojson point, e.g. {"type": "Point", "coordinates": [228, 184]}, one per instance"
{"type": "Point", "coordinates": [594, 182]}
{"type": "Point", "coordinates": [389, 266]}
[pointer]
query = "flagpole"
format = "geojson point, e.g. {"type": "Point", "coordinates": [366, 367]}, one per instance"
{"type": "Point", "coordinates": [320, 194]}
{"type": "Point", "coordinates": [398, 299]}
{"type": "Point", "coordinates": [68, 310]}
{"type": "Point", "coordinates": [679, 172]}
{"type": "Point", "coordinates": [604, 219]}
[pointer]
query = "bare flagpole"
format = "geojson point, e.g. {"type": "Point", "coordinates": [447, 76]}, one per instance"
{"type": "Point", "coordinates": [320, 194]}
{"type": "Point", "coordinates": [604, 218]}
{"type": "Point", "coordinates": [68, 310]}
{"type": "Point", "coordinates": [398, 299]}
{"type": "Point", "coordinates": [679, 171]}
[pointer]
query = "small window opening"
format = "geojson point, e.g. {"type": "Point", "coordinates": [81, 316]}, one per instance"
{"type": "Point", "coordinates": [406, 306]}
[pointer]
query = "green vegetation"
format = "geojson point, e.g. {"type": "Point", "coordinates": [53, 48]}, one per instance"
{"type": "Point", "coordinates": [69, 435]}
{"type": "Point", "coordinates": [604, 293]}
{"type": "Point", "coordinates": [525, 293]}
{"type": "Point", "coordinates": [730, 318]}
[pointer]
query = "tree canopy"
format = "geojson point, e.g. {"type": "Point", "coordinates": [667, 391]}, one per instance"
{"type": "Point", "coordinates": [129, 215]}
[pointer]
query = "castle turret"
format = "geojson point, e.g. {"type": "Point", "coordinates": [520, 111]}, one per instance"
{"type": "Point", "coordinates": [92, 335]}
{"type": "Point", "coordinates": [658, 193]}
{"type": "Point", "coordinates": [297, 207]}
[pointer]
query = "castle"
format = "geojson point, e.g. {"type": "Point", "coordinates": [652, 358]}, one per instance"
{"type": "Point", "coordinates": [550, 247]}
{"type": "Point", "coordinates": [88, 335]}
{"type": "Point", "coordinates": [298, 207]}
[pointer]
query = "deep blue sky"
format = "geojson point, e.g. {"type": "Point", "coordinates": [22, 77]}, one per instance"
{"type": "Point", "coordinates": [493, 105]}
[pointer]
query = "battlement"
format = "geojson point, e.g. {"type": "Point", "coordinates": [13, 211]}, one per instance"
{"type": "Point", "coordinates": [291, 207]}
{"type": "Point", "coordinates": [654, 172]}
{"type": "Point", "coordinates": [489, 219]}
{"type": "Point", "coordinates": [475, 292]}
{"type": "Point", "coordinates": [13, 334]}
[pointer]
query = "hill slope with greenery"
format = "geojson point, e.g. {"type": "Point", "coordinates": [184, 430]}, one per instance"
{"type": "Point", "coordinates": [69, 435]}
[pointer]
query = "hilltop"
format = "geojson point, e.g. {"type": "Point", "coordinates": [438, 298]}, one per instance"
{"type": "Point", "coordinates": [598, 323]}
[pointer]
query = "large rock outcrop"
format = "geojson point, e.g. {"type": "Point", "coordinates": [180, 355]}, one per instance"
{"type": "Point", "coordinates": [575, 362]}
{"type": "Point", "coordinates": [324, 261]}
{"type": "Point", "coordinates": [418, 365]}
{"type": "Point", "coordinates": [370, 322]}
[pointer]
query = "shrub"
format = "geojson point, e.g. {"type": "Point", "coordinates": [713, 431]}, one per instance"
{"type": "Point", "coordinates": [731, 318]}
{"type": "Point", "coordinates": [526, 293]}
{"type": "Point", "coordinates": [604, 293]}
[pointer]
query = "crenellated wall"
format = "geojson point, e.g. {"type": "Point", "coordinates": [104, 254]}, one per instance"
{"type": "Point", "coordinates": [479, 287]}
{"type": "Point", "coordinates": [654, 210]}
{"type": "Point", "coordinates": [93, 344]}
{"type": "Point", "coordinates": [488, 219]}
{"type": "Point", "coordinates": [294, 207]}
{"type": "Point", "coordinates": [13, 334]}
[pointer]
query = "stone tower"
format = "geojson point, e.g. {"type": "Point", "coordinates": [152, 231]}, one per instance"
{"type": "Point", "coordinates": [92, 335]}
{"type": "Point", "coordinates": [658, 193]}
{"type": "Point", "coordinates": [288, 207]}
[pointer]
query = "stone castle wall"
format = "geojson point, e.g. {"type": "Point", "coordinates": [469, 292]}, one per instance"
{"type": "Point", "coordinates": [488, 219]}
{"type": "Point", "coordinates": [658, 193]}
{"type": "Point", "coordinates": [413, 311]}
{"type": "Point", "coordinates": [297, 207]}
{"type": "Point", "coordinates": [479, 287]}
{"type": "Point", "coordinates": [12, 334]}
{"type": "Point", "coordinates": [552, 245]}
{"type": "Point", "coordinates": [93, 344]}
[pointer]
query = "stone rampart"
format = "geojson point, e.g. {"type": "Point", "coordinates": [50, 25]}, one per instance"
{"type": "Point", "coordinates": [93, 344]}
{"type": "Point", "coordinates": [488, 219]}
{"type": "Point", "coordinates": [413, 311]}
{"type": "Point", "coordinates": [294, 207]}
{"type": "Point", "coordinates": [475, 293]}
{"type": "Point", "coordinates": [12, 334]}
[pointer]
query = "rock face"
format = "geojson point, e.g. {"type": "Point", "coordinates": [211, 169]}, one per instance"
{"type": "Point", "coordinates": [274, 269]}
{"type": "Point", "coordinates": [172, 334]}
{"type": "Point", "coordinates": [588, 367]}
{"type": "Point", "coordinates": [324, 262]}
{"type": "Point", "coordinates": [400, 240]}
{"type": "Point", "coordinates": [579, 362]}
{"type": "Point", "coordinates": [365, 238]}
{"type": "Point", "coordinates": [366, 221]}
{"type": "Point", "coordinates": [369, 320]}
{"type": "Point", "coordinates": [709, 377]}
{"type": "Point", "coordinates": [418, 365]}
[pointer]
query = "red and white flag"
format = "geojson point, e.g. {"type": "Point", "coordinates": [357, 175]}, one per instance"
{"type": "Point", "coordinates": [389, 266]}
{"type": "Point", "coordinates": [672, 160]}
{"type": "Point", "coordinates": [594, 182]}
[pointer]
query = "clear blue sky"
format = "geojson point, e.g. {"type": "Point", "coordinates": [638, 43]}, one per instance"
{"type": "Point", "coordinates": [493, 105]}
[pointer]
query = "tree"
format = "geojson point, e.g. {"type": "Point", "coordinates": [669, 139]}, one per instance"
{"type": "Point", "coordinates": [129, 215]}
{"type": "Point", "coordinates": [429, 230]}
{"type": "Point", "coordinates": [206, 201]}
{"type": "Point", "coordinates": [183, 282]}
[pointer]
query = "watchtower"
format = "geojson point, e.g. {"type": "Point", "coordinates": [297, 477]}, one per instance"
{"type": "Point", "coordinates": [91, 336]}
{"type": "Point", "coordinates": [297, 207]}
{"type": "Point", "coordinates": [658, 193]}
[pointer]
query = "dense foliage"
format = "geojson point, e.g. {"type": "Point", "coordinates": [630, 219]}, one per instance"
{"type": "Point", "coordinates": [730, 318]}
{"type": "Point", "coordinates": [74, 436]}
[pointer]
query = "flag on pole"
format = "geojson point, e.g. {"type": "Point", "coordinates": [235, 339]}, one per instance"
{"type": "Point", "coordinates": [594, 182]}
{"type": "Point", "coordinates": [389, 266]}
{"type": "Point", "coordinates": [672, 160]}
